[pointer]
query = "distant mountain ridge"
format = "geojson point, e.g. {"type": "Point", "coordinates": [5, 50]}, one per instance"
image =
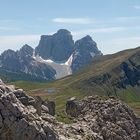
{"type": "Point", "coordinates": [110, 75]}
{"type": "Point", "coordinates": [55, 57]}
{"type": "Point", "coordinates": [22, 62]}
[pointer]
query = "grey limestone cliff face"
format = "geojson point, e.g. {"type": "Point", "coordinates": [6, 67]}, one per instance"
{"type": "Point", "coordinates": [57, 47]}
{"type": "Point", "coordinates": [26, 52]}
{"type": "Point", "coordinates": [9, 60]}
{"type": "Point", "coordinates": [85, 51]}
{"type": "Point", "coordinates": [60, 46]}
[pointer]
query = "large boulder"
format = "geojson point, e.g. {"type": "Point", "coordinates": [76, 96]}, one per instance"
{"type": "Point", "coordinates": [23, 97]}
{"type": "Point", "coordinates": [51, 107]}
{"type": "Point", "coordinates": [73, 108]}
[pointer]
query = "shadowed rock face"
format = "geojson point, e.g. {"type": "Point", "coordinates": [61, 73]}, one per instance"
{"type": "Point", "coordinates": [131, 70]}
{"type": "Point", "coordinates": [60, 46]}
{"type": "Point", "coordinates": [122, 76]}
{"type": "Point", "coordinates": [22, 62]}
{"type": "Point", "coordinates": [9, 60]}
{"type": "Point", "coordinates": [85, 50]}
{"type": "Point", "coordinates": [57, 47]}
{"type": "Point", "coordinates": [73, 108]}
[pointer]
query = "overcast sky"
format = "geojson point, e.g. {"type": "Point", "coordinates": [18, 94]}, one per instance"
{"type": "Point", "coordinates": [113, 24]}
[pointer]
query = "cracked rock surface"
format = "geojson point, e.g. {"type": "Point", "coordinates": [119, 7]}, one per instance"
{"type": "Point", "coordinates": [29, 118]}
{"type": "Point", "coordinates": [103, 120]}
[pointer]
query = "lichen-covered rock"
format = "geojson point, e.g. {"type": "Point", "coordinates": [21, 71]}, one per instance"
{"type": "Point", "coordinates": [108, 120]}
{"type": "Point", "coordinates": [19, 120]}
{"type": "Point", "coordinates": [23, 97]}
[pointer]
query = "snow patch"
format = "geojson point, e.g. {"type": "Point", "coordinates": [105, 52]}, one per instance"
{"type": "Point", "coordinates": [62, 69]}
{"type": "Point", "coordinates": [26, 69]}
{"type": "Point", "coordinates": [0, 64]}
{"type": "Point", "coordinates": [69, 61]}
{"type": "Point", "coordinates": [92, 54]}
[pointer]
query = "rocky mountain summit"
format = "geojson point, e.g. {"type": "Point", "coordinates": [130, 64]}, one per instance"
{"type": "Point", "coordinates": [57, 47]}
{"type": "Point", "coordinates": [85, 50]}
{"type": "Point", "coordinates": [25, 117]}
{"type": "Point", "coordinates": [55, 57]}
{"type": "Point", "coordinates": [22, 62]}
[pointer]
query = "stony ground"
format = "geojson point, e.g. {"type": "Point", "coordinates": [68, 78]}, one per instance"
{"type": "Point", "coordinates": [24, 117]}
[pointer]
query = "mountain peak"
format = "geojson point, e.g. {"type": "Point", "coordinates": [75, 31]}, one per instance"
{"type": "Point", "coordinates": [87, 37]}
{"type": "Point", "coordinates": [45, 36]}
{"type": "Point", "coordinates": [87, 44]}
{"type": "Point", "coordinates": [26, 47]}
{"type": "Point", "coordinates": [63, 31]}
{"type": "Point", "coordinates": [85, 40]}
{"type": "Point", "coordinates": [57, 47]}
{"type": "Point", "coordinates": [26, 50]}
{"type": "Point", "coordinates": [8, 52]}
{"type": "Point", "coordinates": [85, 50]}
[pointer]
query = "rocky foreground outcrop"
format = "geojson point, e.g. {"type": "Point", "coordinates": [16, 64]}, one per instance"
{"type": "Point", "coordinates": [103, 120]}
{"type": "Point", "coordinates": [26, 118]}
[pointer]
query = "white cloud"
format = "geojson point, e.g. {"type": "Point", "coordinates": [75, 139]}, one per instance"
{"type": "Point", "coordinates": [16, 42]}
{"type": "Point", "coordinates": [119, 44]}
{"type": "Point", "coordinates": [2, 28]}
{"type": "Point", "coordinates": [130, 18]}
{"type": "Point", "coordinates": [98, 30]}
{"type": "Point", "coordinates": [136, 7]}
{"type": "Point", "coordinates": [74, 20]}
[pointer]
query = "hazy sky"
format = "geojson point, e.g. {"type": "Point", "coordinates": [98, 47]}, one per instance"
{"type": "Point", "coordinates": [113, 24]}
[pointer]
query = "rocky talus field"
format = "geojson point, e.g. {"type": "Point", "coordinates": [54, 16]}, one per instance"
{"type": "Point", "coordinates": [30, 118]}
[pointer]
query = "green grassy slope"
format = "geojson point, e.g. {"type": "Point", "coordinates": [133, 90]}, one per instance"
{"type": "Point", "coordinates": [9, 76]}
{"type": "Point", "coordinates": [77, 85]}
